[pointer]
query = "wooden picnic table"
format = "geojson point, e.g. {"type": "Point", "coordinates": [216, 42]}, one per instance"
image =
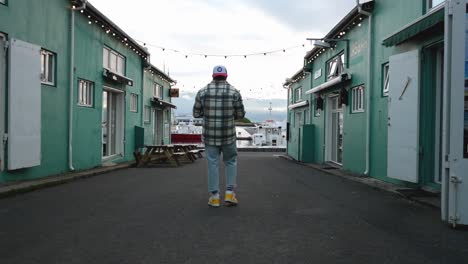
{"type": "Point", "coordinates": [191, 151]}
{"type": "Point", "coordinates": [158, 154]}
{"type": "Point", "coordinates": [173, 154]}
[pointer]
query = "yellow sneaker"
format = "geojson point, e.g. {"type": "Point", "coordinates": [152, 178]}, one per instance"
{"type": "Point", "coordinates": [230, 199]}
{"type": "Point", "coordinates": [214, 201]}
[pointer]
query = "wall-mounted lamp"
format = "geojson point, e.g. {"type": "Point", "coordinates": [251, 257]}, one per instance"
{"type": "Point", "coordinates": [321, 44]}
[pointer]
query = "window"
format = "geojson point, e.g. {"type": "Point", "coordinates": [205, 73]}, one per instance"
{"type": "Point", "coordinates": [318, 112]}
{"type": "Point", "coordinates": [318, 106]}
{"type": "Point", "coordinates": [167, 128]}
{"type": "Point", "coordinates": [157, 90]}
{"type": "Point", "coordinates": [307, 116]}
{"type": "Point", "coordinates": [299, 121]}
{"type": "Point", "coordinates": [290, 96]}
{"type": "Point", "coordinates": [47, 67]}
{"type": "Point", "coordinates": [133, 102]}
{"type": "Point", "coordinates": [434, 3]}
{"type": "Point", "coordinates": [298, 94]}
{"type": "Point", "coordinates": [358, 99]}
{"type": "Point", "coordinates": [85, 93]}
{"type": "Point", "coordinates": [2, 1]}
{"type": "Point", "coordinates": [113, 61]}
{"type": "Point", "coordinates": [147, 114]}
{"type": "Point", "coordinates": [335, 66]}
{"type": "Point", "coordinates": [386, 78]}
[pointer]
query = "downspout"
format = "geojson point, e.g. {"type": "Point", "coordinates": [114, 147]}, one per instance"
{"type": "Point", "coordinates": [72, 73]}
{"type": "Point", "coordinates": [445, 206]}
{"type": "Point", "coordinates": [287, 86]}
{"type": "Point", "coordinates": [369, 84]}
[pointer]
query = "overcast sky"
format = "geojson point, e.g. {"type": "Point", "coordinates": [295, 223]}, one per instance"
{"type": "Point", "coordinates": [215, 27]}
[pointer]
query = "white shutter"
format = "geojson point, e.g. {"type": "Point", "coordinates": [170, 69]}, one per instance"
{"type": "Point", "coordinates": [403, 114]}
{"type": "Point", "coordinates": [24, 107]}
{"type": "Point", "coordinates": [2, 96]}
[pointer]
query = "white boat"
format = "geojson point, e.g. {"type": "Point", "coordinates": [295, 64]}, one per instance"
{"type": "Point", "coordinates": [265, 134]}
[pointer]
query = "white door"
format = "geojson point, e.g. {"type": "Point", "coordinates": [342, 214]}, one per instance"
{"type": "Point", "coordinates": [158, 127]}
{"type": "Point", "coordinates": [335, 131]}
{"type": "Point", "coordinates": [2, 96]}
{"type": "Point", "coordinates": [455, 145]}
{"type": "Point", "coordinates": [112, 123]}
{"type": "Point", "coordinates": [439, 78]}
{"type": "Point", "coordinates": [24, 96]}
{"type": "Point", "coordinates": [403, 117]}
{"type": "Point", "coordinates": [298, 127]}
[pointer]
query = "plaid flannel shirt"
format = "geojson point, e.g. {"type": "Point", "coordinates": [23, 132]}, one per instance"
{"type": "Point", "coordinates": [219, 103]}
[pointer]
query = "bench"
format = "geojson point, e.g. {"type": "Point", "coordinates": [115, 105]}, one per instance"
{"type": "Point", "coordinates": [197, 152]}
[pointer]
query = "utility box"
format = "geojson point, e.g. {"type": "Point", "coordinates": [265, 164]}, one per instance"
{"type": "Point", "coordinates": [139, 137]}
{"type": "Point", "coordinates": [307, 146]}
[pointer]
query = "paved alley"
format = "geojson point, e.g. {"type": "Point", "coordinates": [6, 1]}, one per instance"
{"type": "Point", "coordinates": [288, 213]}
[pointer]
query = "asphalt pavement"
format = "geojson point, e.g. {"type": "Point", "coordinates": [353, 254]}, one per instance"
{"type": "Point", "coordinates": [288, 213]}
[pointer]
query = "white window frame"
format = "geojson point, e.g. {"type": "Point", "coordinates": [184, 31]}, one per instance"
{"type": "Point", "coordinates": [147, 114]}
{"type": "Point", "coordinates": [167, 127]}
{"type": "Point", "coordinates": [290, 94]}
{"type": "Point", "coordinates": [134, 102]}
{"type": "Point", "coordinates": [335, 66]}
{"type": "Point", "coordinates": [430, 4]}
{"type": "Point", "coordinates": [113, 61]}
{"type": "Point", "coordinates": [386, 79]}
{"type": "Point", "coordinates": [298, 93]}
{"type": "Point", "coordinates": [158, 90]}
{"type": "Point", "coordinates": [357, 94]}
{"type": "Point", "coordinates": [307, 116]}
{"type": "Point", "coordinates": [46, 72]}
{"type": "Point", "coordinates": [85, 93]}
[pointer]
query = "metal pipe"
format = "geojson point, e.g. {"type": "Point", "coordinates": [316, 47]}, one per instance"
{"type": "Point", "coordinates": [446, 116]}
{"type": "Point", "coordinates": [72, 75]}
{"type": "Point", "coordinates": [369, 85]}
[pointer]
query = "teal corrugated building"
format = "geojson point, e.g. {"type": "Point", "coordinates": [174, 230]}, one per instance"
{"type": "Point", "coordinates": [74, 90]}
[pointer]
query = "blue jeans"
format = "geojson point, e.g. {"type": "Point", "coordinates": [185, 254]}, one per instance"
{"type": "Point", "coordinates": [213, 154]}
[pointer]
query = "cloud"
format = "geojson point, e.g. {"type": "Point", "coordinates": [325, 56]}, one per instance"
{"type": "Point", "coordinates": [302, 15]}
{"type": "Point", "coordinates": [227, 27]}
{"type": "Point", "coordinates": [187, 97]}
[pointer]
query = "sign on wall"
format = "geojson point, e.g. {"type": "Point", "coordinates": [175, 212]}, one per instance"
{"type": "Point", "coordinates": [174, 92]}
{"type": "Point", "coordinates": [317, 74]}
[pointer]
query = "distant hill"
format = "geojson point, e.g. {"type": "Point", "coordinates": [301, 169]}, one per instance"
{"type": "Point", "coordinates": [257, 109]}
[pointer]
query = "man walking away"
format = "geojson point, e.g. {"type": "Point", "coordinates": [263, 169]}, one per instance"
{"type": "Point", "coordinates": [220, 104]}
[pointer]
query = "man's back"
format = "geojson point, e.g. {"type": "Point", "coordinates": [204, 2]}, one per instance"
{"type": "Point", "coordinates": [220, 104]}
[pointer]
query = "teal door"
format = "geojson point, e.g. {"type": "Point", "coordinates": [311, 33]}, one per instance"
{"type": "Point", "coordinates": [430, 128]}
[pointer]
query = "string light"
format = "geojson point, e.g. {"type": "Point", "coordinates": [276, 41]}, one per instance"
{"type": "Point", "coordinates": [108, 29]}
{"type": "Point", "coordinates": [349, 26]}
{"type": "Point", "coordinates": [206, 55]}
